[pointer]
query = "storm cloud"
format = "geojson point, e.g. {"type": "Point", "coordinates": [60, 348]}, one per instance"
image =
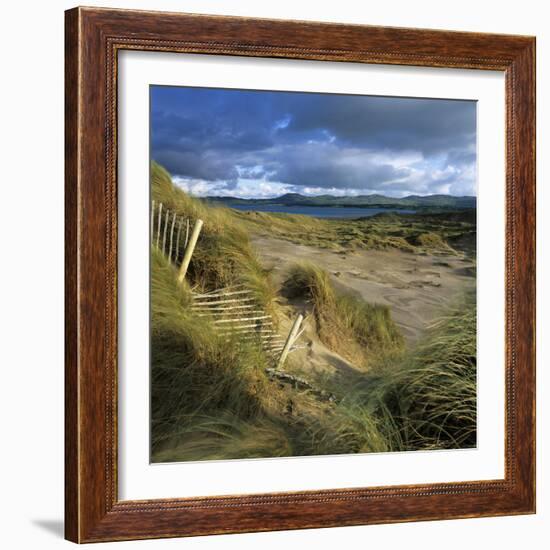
{"type": "Point", "coordinates": [260, 143]}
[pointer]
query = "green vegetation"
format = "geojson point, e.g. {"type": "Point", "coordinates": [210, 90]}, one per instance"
{"type": "Point", "coordinates": [355, 329]}
{"type": "Point", "coordinates": [435, 232]}
{"type": "Point", "coordinates": [427, 400]}
{"type": "Point", "coordinates": [211, 397]}
{"type": "Point", "coordinates": [194, 371]}
{"type": "Point", "coordinates": [367, 201]}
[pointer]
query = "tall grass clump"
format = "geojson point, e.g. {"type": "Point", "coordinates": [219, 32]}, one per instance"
{"type": "Point", "coordinates": [431, 240]}
{"type": "Point", "coordinates": [195, 373]}
{"type": "Point", "coordinates": [356, 329]}
{"type": "Point", "coordinates": [433, 396]}
{"type": "Point", "coordinates": [428, 399]}
{"type": "Point", "coordinates": [227, 436]}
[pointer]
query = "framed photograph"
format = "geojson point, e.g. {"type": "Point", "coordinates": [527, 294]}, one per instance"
{"type": "Point", "coordinates": [300, 275]}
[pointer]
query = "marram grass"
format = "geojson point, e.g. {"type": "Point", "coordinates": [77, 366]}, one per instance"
{"type": "Point", "coordinates": [355, 329]}
{"type": "Point", "coordinates": [427, 399]}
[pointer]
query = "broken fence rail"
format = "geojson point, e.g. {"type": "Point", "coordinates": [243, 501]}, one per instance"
{"type": "Point", "coordinates": [235, 312]}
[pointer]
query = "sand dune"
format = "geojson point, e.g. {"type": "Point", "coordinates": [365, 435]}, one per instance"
{"type": "Point", "coordinates": [418, 288]}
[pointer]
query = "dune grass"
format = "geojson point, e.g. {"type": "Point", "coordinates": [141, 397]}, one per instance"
{"type": "Point", "coordinates": [355, 329]}
{"type": "Point", "coordinates": [194, 371]}
{"type": "Point", "coordinates": [444, 232]}
{"type": "Point", "coordinates": [225, 436]}
{"type": "Point", "coordinates": [426, 400]}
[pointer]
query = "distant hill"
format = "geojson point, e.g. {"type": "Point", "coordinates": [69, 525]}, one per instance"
{"type": "Point", "coordinates": [361, 201]}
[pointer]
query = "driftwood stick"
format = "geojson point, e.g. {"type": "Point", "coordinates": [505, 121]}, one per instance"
{"type": "Point", "coordinates": [300, 384]}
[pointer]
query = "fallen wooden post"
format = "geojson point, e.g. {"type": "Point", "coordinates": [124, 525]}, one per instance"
{"type": "Point", "coordinates": [189, 250]}
{"type": "Point", "coordinates": [301, 384]}
{"type": "Point", "coordinates": [290, 339]}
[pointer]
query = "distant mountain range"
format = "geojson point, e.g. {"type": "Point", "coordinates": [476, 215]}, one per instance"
{"type": "Point", "coordinates": [361, 201]}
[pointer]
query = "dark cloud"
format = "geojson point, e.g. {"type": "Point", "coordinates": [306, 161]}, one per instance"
{"type": "Point", "coordinates": [329, 166]}
{"type": "Point", "coordinates": [194, 164]}
{"type": "Point", "coordinates": [429, 126]}
{"type": "Point", "coordinates": [314, 140]}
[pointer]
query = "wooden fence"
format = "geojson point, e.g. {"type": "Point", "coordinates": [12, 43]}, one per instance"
{"type": "Point", "coordinates": [234, 310]}
{"type": "Point", "coordinates": [168, 231]}
{"type": "Point", "coordinates": [235, 313]}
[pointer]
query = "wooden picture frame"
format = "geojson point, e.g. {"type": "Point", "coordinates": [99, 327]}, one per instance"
{"type": "Point", "coordinates": [93, 511]}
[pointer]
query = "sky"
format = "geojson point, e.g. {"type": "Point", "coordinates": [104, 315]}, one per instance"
{"type": "Point", "coordinates": [260, 144]}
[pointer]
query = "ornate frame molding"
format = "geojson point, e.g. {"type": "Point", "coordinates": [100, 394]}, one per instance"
{"type": "Point", "coordinates": [93, 38]}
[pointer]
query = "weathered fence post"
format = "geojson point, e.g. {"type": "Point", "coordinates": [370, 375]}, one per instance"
{"type": "Point", "coordinates": [177, 251]}
{"type": "Point", "coordinates": [189, 250]}
{"type": "Point", "coordinates": [290, 339]}
{"type": "Point", "coordinates": [186, 233]}
{"type": "Point", "coordinates": [170, 246]}
{"type": "Point", "coordinates": [166, 218]}
{"type": "Point", "coordinates": [152, 219]}
{"type": "Point", "coordinates": [158, 228]}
